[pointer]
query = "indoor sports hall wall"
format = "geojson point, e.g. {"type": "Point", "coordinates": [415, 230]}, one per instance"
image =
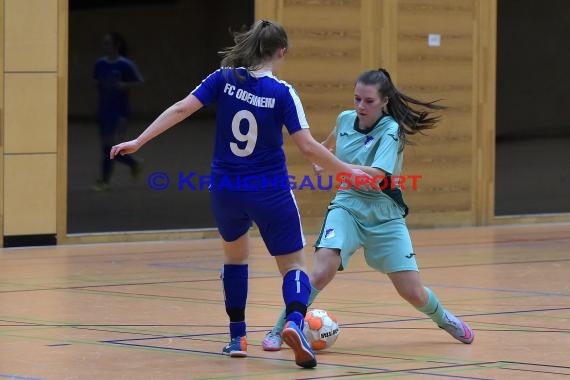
{"type": "Point", "coordinates": [331, 42]}
{"type": "Point", "coordinates": [33, 102]}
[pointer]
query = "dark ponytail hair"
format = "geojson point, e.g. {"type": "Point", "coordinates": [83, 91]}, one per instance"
{"type": "Point", "coordinates": [119, 43]}
{"type": "Point", "coordinates": [254, 47]}
{"type": "Point", "coordinates": [409, 119]}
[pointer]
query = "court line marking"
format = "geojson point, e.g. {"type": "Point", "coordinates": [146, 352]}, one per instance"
{"type": "Point", "coordinates": [536, 364]}
{"type": "Point", "coordinates": [349, 325]}
{"type": "Point", "coordinates": [533, 371]}
{"type": "Point", "coordinates": [476, 288]}
{"type": "Point", "coordinates": [18, 377]}
{"type": "Point", "coordinates": [462, 315]}
{"type": "Point", "coordinates": [434, 359]}
{"type": "Point", "coordinates": [404, 372]}
{"type": "Point", "coordinates": [169, 348]}
{"type": "Point", "coordinates": [341, 276]}
{"type": "Point", "coordinates": [377, 370]}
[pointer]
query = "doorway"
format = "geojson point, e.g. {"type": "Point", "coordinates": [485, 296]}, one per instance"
{"type": "Point", "coordinates": [174, 45]}
{"type": "Point", "coordinates": [533, 116]}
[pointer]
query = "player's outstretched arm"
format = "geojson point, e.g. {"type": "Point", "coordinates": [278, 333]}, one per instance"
{"type": "Point", "coordinates": [330, 141]}
{"type": "Point", "coordinates": [330, 144]}
{"type": "Point", "coordinates": [169, 118]}
{"type": "Point", "coordinates": [320, 155]}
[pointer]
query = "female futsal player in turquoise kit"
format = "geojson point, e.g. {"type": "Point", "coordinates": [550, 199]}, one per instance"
{"type": "Point", "coordinates": [253, 107]}
{"type": "Point", "coordinates": [372, 138]}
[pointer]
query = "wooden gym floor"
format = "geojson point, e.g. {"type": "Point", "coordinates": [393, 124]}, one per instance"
{"type": "Point", "coordinates": [155, 311]}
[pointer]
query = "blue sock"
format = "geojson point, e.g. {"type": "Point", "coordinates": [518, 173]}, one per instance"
{"type": "Point", "coordinates": [296, 291]}
{"type": "Point", "coordinates": [234, 278]}
{"type": "Point", "coordinates": [283, 318]}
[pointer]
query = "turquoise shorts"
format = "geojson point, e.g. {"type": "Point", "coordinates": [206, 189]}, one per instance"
{"type": "Point", "coordinates": [376, 225]}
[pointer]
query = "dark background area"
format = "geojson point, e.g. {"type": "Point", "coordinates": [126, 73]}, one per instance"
{"type": "Point", "coordinates": [533, 107]}
{"type": "Point", "coordinates": [174, 43]}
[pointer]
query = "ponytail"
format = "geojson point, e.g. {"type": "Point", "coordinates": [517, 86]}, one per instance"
{"type": "Point", "coordinates": [410, 119]}
{"type": "Point", "coordinates": [254, 47]}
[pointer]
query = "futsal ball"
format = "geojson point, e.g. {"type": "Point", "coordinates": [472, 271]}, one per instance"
{"type": "Point", "coordinates": [321, 329]}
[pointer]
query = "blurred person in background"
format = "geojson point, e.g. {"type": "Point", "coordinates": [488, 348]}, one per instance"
{"type": "Point", "coordinates": [114, 74]}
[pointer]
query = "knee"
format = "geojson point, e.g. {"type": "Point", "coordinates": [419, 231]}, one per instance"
{"type": "Point", "coordinates": [317, 280]}
{"type": "Point", "coordinates": [285, 268]}
{"type": "Point", "coordinates": [320, 277]}
{"type": "Point", "coordinates": [325, 266]}
{"type": "Point", "coordinates": [414, 295]}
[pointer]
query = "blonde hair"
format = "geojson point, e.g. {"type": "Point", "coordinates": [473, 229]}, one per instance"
{"type": "Point", "coordinates": [255, 46]}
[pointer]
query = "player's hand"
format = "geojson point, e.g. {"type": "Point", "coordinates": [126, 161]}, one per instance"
{"type": "Point", "coordinates": [361, 180]}
{"type": "Point", "coordinates": [123, 148]}
{"type": "Point", "coordinates": [318, 170]}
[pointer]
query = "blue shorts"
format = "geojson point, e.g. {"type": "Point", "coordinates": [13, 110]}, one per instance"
{"type": "Point", "coordinates": [274, 212]}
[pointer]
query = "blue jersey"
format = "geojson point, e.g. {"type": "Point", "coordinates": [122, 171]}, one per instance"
{"type": "Point", "coordinates": [251, 113]}
{"type": "Point", "coordinates": [113, 101]}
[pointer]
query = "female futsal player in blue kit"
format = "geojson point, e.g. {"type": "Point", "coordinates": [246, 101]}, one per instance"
{"type": "Point", "coordinates": [253, 106]}
{"type": "Point", "coordinates": [115, 75]}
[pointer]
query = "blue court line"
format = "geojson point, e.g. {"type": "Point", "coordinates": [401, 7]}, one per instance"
{"type": "Point", "coordinates": [380, 370]}
{"type": "Point", "coordinates": [444, 375]}
{"type": "Point", "coordinates": [462, 315]}
{"type": "Point", "coordinates": [527, 292]}
{"type": "Point", "coordinates": [532, 293]}
{"type": "Point", "coordinates": [411, 371]}
{"type": "Point", "coordinates": [199, 267]}
{"type": "Point", "coordinates": [174, 336]}
{"type": "Point", "coordinates": [119, 341]}
{"type": "Point", "coordinates": [187, 265]}
{"type": "Point", "coordinates": [17, 377]}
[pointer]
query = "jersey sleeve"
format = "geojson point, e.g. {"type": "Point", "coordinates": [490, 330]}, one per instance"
{"type": "Point", "coordinates": [207, 92]}
{"type": "Point", "coordinates": [386, 156]}
{"type": "Point", "coordinates": [293, 113]}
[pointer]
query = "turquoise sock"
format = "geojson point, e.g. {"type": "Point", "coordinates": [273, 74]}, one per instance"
{"type": "Point", "coordinates": [433, 308]}
{"type": "Point", "coordinates": [281, 320]}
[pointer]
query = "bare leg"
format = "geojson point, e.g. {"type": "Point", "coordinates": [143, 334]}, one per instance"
{"type": "Point", "coordinates": [409, 286]}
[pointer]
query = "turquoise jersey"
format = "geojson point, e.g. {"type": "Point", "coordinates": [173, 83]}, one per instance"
{"type": "Point", "coordinates": [378, 147]}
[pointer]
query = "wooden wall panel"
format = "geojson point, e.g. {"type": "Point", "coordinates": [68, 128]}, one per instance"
{"type": "Point", "coordinates": [333, 41]}
{"type": "Point", "coordinates": [483, 149]}
{"type": "Point", "coordinates": [62, 101]}
{"type": "Point", "coordinates": [2, 112]}
{"type": "Point", "coordinates": [31, 112]}
{"type": "Point", "coordinates": [29, 194]}
{"type": "Point", "coordinates": [443, 72]}
{"type": "Point", "coordinates": [322, 63]}
{"type": "Point", "coordinates": [31, 35]}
